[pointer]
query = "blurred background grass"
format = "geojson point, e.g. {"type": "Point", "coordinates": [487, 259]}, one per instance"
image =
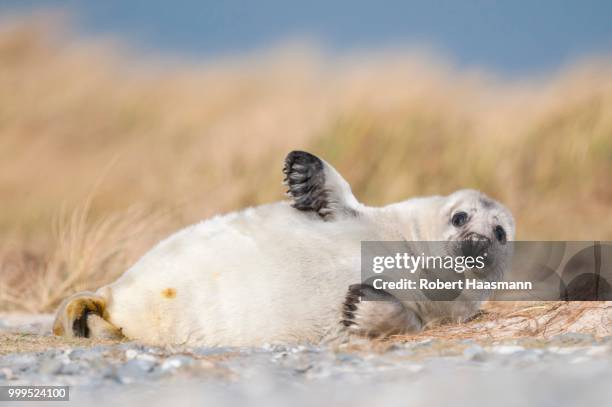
{"type": "Point", "coordinates": [103, 151]}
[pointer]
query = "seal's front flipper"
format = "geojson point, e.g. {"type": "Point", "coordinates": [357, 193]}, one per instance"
{"type": "Point", "coordinates": [84, 315]}
{"type": "Point", "coordinates": [376, 313]}
{"type": "Point", "coordinates": [316, 186]}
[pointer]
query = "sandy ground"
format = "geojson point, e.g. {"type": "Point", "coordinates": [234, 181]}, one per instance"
{"type": "Point", "coordinates": [474, 363]}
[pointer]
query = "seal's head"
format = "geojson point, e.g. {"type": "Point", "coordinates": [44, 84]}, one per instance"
{"type": "Point", "coordinates": [477, 225]}
{"type": "Point", "coordinates": [471, 215]}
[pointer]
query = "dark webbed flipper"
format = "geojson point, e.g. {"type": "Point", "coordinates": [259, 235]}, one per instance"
{"type": "Point", "coordinates": [316, 186]}
{"type": "Point", "coordinates": [84, 315]}
{"type": "Point", "coordinates": [376, 313]}
{"type": "Point", "coordinates": [305, 178]}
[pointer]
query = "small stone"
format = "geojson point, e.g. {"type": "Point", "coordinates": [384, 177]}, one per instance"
{"type": "Point", "coordinates": [579, 359]}
{"type": "Point", "coordinates": [530, 355]}
{"type": "Point", "coordinates": [568, 350]}
{"type": "Point", "coordinates": [304, 349]}
{"type": "Point", "coordinates": [394, 347]}
{"type": "Point", "coordinates": [176, 362]}
{"type": "Point", "coordinates": [573, 338]}
{"type": "Point", "coordinates": [19, 359]}
{"type": "Point", "coordinates": [50, 366]}
{"type": "Point", "coordinates": [274, 347]}
{"type": "Point", "coordinates": [424, 343]}
{"type": "Point", "coordinates": [147, 357]}
{"type": "Point", "coordinates": [206, 364]}
{"type": "Point", "coordinates": [212, 351]}
{"type": "Point", "coordinates": [598, 350]}
{"type": "Point", "coordinates": [131, 354]}
{"type": "Point", "coordinates": [303, 368]}
{"type": "Point", "coordinates": [134, 370]}
{"type": "Point", "coordinates": [280, 355]}
{"type": "Point", "coordinates": [347, 357]}
{"type": "Point", "coordinates": [125, 346]}
{"type": "Point", "coordinates": [86, 353]}
{"type": "Point", "coordinates": [507, 349]}
{"type": "Point", "coordinates": [6, 373]}
{"type": "Point", "coordinates": [414, 368]}
{"type": "Point", "coordinates": [475, 353]}
{"type": "Point", "coordinates": [71, 369]}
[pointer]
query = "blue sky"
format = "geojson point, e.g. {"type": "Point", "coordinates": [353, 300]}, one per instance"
{"type": "Point", "coordinates": [504, 36]}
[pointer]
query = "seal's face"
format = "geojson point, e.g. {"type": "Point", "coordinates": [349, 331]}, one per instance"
{"type": "Point", "coordinates": [479, 226]}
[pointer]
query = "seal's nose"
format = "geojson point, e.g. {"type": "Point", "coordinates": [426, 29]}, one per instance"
{"type": "Point", "coordinates": [475, 244]}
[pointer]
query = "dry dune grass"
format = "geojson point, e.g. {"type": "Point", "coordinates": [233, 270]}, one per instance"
{"type": "Point", "coordinates": [535, 320]}
{"type": "Point", "coordinates": [86, 254]}
{"type": "Point", "coordinates": [159, 145]}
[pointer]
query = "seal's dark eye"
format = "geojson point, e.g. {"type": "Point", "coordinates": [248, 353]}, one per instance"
{"type": "Point", "coordinates": [500, 234]}
{"type": "Point", "coordinates": [459, 219]}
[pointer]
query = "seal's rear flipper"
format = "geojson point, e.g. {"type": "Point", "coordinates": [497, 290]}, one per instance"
{"type": "Point", "coordinates": [316, 186]}
{"type": "Point", "coordinates": [84, 315]}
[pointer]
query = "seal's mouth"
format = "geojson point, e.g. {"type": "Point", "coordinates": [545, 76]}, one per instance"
{"type": "Point", "coordinates": [474, 245]}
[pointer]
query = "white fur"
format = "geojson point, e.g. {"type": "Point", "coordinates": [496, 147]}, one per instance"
{"type": "Point", "coordinates": [270, 274]}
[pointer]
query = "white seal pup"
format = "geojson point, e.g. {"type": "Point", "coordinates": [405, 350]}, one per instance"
{"type": "Point", "coordinates": [286, 272]}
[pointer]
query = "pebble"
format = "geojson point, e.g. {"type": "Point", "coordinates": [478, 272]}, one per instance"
{"type": "Point", "coordinates": [572, 338]}
{"type": "Point", "coordinates": [6, 374]}
{"type": "Point", "coordinates": [87, 353]}
{"type": "Point", "coordinates": [423, 343]}
{"type": "Point", "coordinates": [599, 350]}
{"type": "Point", "coordinates": [71, 369]}
{"type": "Point", "coordinates": [19, 359]}
{"type": "Point", "coordinates": [568, 350]}
{"type": "Point", "coordinates": [176, 362]}
{"type": "Point", "coordinates": [286, 366]}
{"type": "Point", "coordinates": [50, 366]}
{"type": "Point", "coordinates": [347, 357]}
{"type": "Point", "coordinates": [134, 370]}
{"type": "Point", "coordinates": [413, 368]}
{"type": "Point", "coordinates": [507, 349]}
{"type": "Point", "coordinates": [529, 355]}
{"type": "Point", "coordinates": [212, 351]}
{"type": "Point", "coordinates": [147, 357]}
{"type": "Point", "coordinates": [475, 353]}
